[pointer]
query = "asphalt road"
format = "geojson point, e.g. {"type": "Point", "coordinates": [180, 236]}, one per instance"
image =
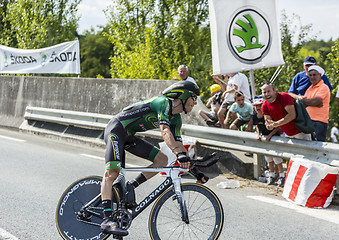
{"type": "Point", "coordinates": [35, 170]}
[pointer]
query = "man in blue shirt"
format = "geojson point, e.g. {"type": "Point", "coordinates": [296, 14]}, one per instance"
{"type": "Point", "coordinates": [301, 81]}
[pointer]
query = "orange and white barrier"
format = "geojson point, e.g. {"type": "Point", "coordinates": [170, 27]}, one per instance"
{"type": "Point", "coordinates": [310, 184]}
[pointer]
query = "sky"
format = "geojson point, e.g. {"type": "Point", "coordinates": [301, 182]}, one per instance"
{"type": "Point", "coordinates": [322, 14]}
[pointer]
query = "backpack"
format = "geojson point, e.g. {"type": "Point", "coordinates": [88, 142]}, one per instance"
{"type": "Point", "coordinates": [302, 121]}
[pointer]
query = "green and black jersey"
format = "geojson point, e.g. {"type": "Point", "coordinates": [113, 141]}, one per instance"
{"type": "Point", "coordinates": [149, 114]}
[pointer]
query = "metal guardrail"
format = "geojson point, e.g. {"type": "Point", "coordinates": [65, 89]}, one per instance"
{"type": "Point", "coordinates": [323, 152]}
{"type": "Point", "coordinates": [65, 117]}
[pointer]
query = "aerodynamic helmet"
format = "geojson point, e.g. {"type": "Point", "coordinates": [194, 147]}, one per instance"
{"type": "Point", "coordinates": [181, 90]}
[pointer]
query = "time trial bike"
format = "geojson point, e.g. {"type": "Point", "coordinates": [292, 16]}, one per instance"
{"type": "Point", "coordinates": [181, 210]}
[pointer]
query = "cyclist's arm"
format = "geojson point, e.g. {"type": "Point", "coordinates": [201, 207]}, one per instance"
{"type": "Point", "coordinates": [175, 146]}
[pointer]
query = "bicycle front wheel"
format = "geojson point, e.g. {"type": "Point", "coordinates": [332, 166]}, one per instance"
{"type": "Point", "coordinates": [205, 212]}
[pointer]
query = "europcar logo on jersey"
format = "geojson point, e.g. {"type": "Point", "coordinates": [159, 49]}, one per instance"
{"type": "Point", "coordinates": [249, 36]}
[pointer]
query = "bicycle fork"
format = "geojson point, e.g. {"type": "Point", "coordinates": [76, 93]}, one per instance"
{"type": "Point", "coordinates": [181, 199]}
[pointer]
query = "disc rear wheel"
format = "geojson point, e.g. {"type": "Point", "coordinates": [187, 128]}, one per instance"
{"type": "Point", "coordinates": [71, 220]}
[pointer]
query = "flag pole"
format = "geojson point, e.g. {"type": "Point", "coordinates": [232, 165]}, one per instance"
{"type": "Point", "coordinates": [252, 83]}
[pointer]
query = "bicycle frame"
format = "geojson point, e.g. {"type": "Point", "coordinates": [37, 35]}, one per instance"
{"type": "Point", "coordinates": [173, 177]}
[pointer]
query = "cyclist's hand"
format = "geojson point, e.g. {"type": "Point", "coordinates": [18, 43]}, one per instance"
{"type": "Point", "coordinates": [200, 176]}
{"type": "Point", "coordinates": [184, 160]}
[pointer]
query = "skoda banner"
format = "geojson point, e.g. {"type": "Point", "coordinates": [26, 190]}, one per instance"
{"type": "Point", "coordinates": [61, 58]}
{"type": "Point", "coordinates": [245, 35]}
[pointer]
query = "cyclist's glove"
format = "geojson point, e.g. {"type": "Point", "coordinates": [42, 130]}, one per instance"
{"type": "Point", "coordinates": [199, 175]}
{"type": "Point", "coordinates": [182, 157]}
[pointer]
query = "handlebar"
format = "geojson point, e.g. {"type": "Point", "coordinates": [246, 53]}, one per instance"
{"type": "Point", "coordinates": [196, 162]}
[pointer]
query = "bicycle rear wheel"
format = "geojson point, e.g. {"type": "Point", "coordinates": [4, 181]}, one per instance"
{"type": "Point", "coordinates": [70, 224]}
{"type": "Point", "coordinates": [205, 212]}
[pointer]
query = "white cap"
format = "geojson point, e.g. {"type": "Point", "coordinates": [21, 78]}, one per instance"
{"type": "Point", "coordinates": [317, 68]}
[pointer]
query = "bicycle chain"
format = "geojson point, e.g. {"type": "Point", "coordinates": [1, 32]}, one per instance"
{"type": "Point", "coordinates": [91, 223]}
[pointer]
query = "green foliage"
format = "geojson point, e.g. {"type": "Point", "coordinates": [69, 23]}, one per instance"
{"type": "Point", "coordinates": [95, 50]}
{"type": "Point", "coordinates": [293, 36]}
{"type": "Point", "coordinates": [39, 23]}
{"type": "Point", "coordinates": [333, 75]}
{"type": "Point", "coordinates": [152, 38]}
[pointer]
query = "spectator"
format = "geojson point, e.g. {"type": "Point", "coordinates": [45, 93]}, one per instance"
{"type": "Point", "coordinates": [241, 112]}
{"type": "Point", "coordinates": [338, 96]}
{"type": "Point", "coordinates": [301, 81]}
{"type": "Point", "coordinates": [317, 102]}
{"type": "Point", "coordinates": [183, 74]}
{"type": "Point", "coordinates": [236, 82]}
{"type": "Point", "coordinates": [279, 111]}
{"type": "Point", "coordinates": [259, 122]}
{"type": "Point", "coordinates": [334, 133]}
{"type": "Point", "coordinates": [214, 102]}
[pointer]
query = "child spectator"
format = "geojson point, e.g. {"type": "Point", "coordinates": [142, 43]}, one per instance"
{"type": "Point", "coordinates": [259, 122]}
{"type": "Point", "coordinates": [240, 112]}
{"type": "Point", "coordinates": [214, 102]}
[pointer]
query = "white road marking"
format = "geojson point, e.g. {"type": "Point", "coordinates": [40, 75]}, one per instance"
{"type": "Point", "coordinates": [92, 156]}
{"type": "Point", "coordinates": [12, 139]}
{"type": "Point", "coordinates": [6, 235]}
{"type": "Point", "coordinates": [103, 159]}
{"type": "Point", "coordinates": [327, 214]}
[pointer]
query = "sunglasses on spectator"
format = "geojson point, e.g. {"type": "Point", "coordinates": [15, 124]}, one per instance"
{"type": "Point", "coordinates": [268, 83]}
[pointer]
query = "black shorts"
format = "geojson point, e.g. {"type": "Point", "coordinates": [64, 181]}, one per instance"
{"type": "Point", "coordinates": [116, 139]}
{"type": "Point", "coordinates": [239, 122]}
{"type": "Point", "coordinates": [226, 104]}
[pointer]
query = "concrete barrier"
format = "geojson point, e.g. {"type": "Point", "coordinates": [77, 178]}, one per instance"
{"type": "Point", "coordinates": [104, 96]}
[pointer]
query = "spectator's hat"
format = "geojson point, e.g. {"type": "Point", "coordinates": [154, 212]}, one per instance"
{"type": "Point", "coordinates": [309, 60]}
{"type": "Point", "coordinates": [317, 68]}
{"type": "Point", "coordinates": [257, 100]}
{"type": "Point", "coordinates": [214, 88]}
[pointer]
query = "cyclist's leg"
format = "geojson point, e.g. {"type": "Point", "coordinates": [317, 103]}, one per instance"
{"type": "Point", "coordinates": [148, 151]}
{"type": "Point", "coordinates": [114, 157]}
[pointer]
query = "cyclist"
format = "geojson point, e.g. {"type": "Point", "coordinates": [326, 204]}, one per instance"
{"type": "Point", "coordinates": [158, 112]}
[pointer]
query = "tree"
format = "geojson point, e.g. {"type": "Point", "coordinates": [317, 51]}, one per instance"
{"type": "Point", "coordinates": [293, 36]}
{"type": "Point", "coordinates": [333, 75]}
{"type": "Point", "coordinates": [95, 50]}
{"type": "Point", "coordinates": [39, 23]}
{"type": "Point", "coordinates": [152, 38]}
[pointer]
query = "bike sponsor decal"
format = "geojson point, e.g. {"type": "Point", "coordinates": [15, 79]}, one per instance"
{"type": "Point", "coordinates": [73, 189]}
{"type": "Point", "coordinates": [152, 196]}
{"type": "Point", "coordinates": [71, 237]}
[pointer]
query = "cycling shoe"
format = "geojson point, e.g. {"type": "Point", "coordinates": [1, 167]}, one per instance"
{"type": "Point", "coordinates": [108, 226]}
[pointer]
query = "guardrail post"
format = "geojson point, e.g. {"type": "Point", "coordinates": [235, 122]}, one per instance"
{"type": "Point", "coordinates": [257, 159]}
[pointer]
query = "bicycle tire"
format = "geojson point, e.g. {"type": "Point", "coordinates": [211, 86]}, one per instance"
{"type": "Point", "coordinates": [76, 196]}
{"type": "Point", "coordinates": [206, 215]}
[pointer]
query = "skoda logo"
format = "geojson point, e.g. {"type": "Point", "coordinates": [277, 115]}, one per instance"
{"type": "Point", "coordinates": [249, 36]}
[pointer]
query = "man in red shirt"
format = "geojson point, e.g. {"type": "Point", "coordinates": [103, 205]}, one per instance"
{"type": "Point", "coordinates": [279, 111]}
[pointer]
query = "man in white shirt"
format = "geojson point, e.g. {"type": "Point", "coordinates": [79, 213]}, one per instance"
{"type": "Point", "coordinates": [183, 74]}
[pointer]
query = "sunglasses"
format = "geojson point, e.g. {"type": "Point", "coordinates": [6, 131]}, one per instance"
{"type": "Point", "coordinates": [194, 97]}
{"type": "Point", "coordinates": [268, 83]}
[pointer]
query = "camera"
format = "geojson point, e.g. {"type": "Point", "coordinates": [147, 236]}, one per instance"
{"type": "Point", "coordinates": [218, 98]}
